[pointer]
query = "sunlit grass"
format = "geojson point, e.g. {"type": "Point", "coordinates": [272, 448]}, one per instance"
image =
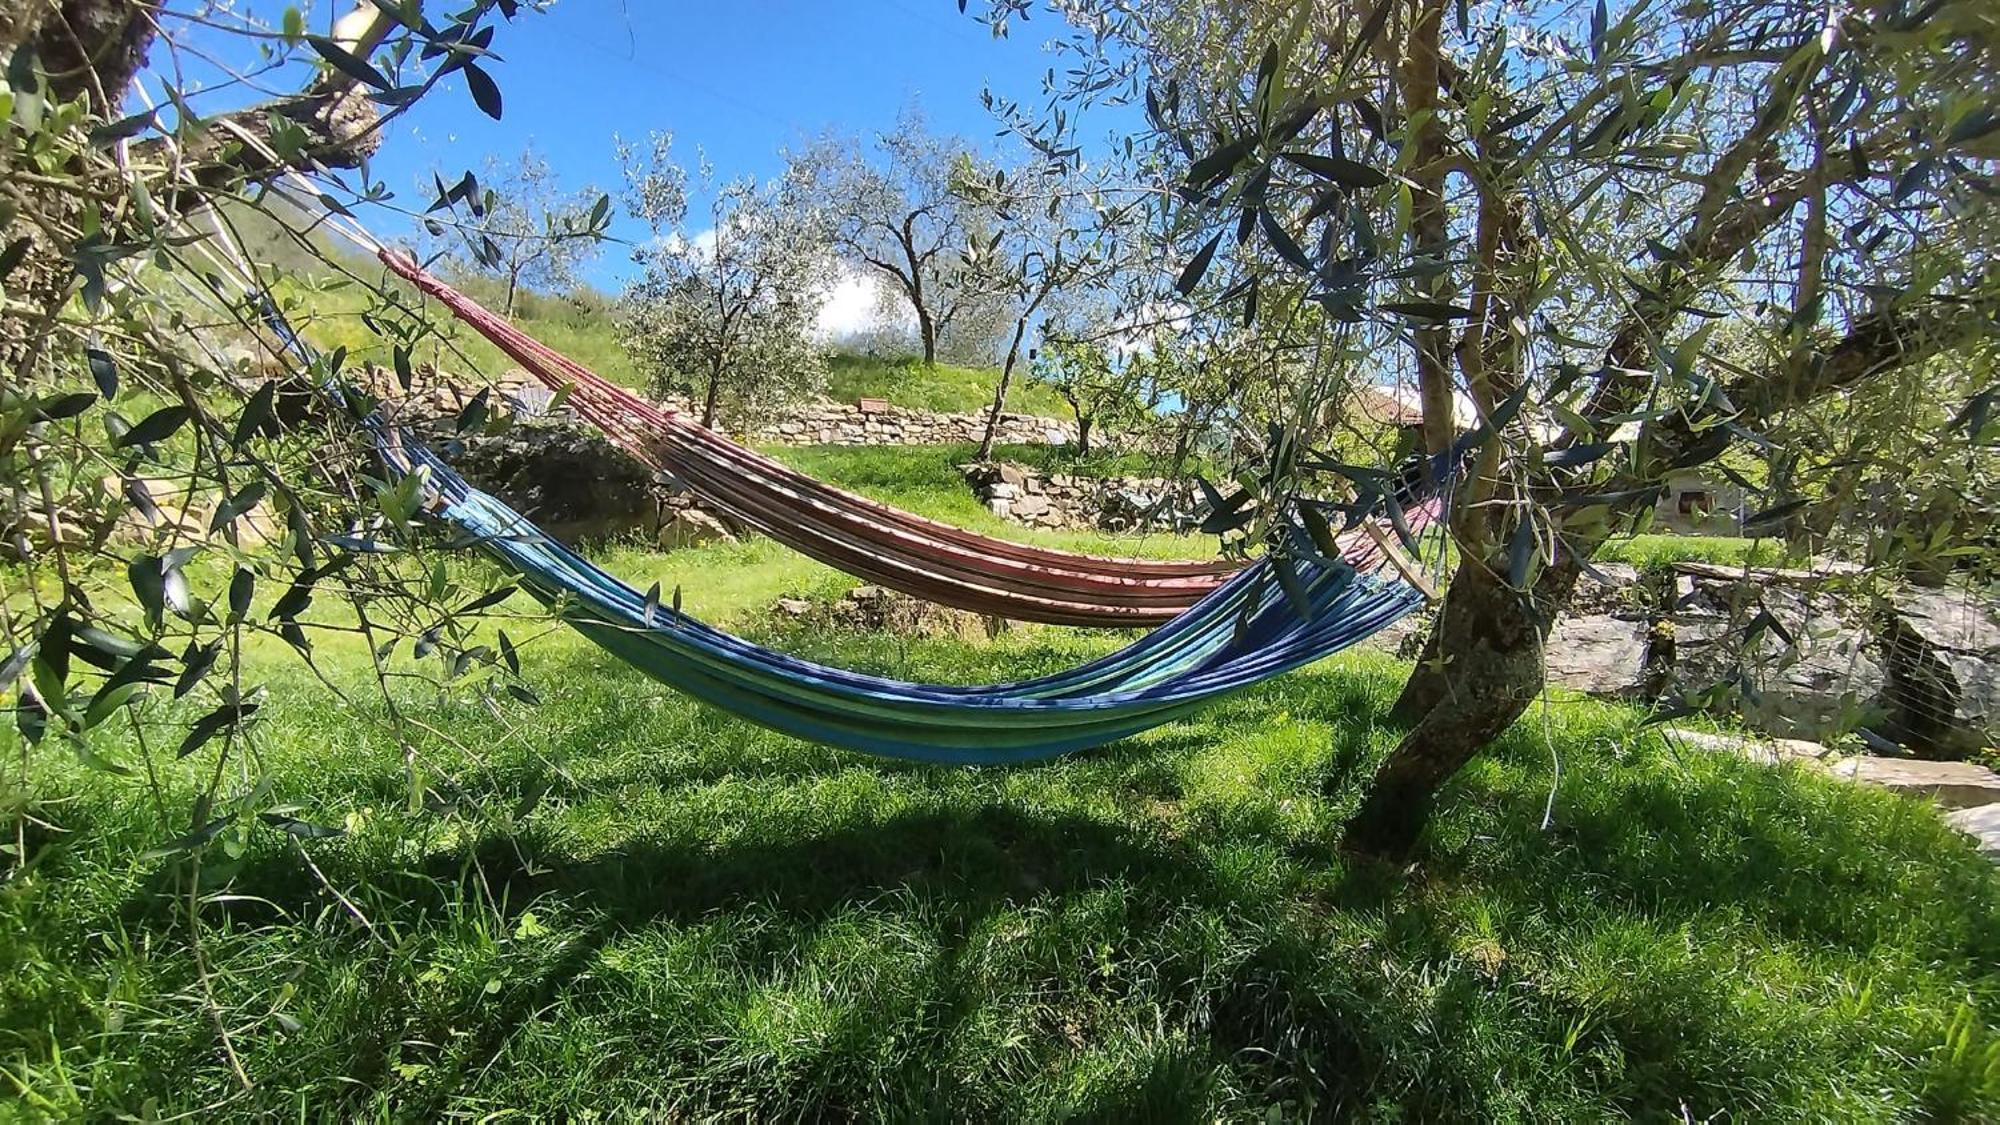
{"type": "Point", "coordinates": [634, 904]}
{"type": "Point", "coordinates": [1659, 549]}
{"type": "Point", "coordinates": [947, 388]}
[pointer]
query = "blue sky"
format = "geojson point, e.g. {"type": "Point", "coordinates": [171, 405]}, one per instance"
{"type": "Point", "coordinates": [739, 79]}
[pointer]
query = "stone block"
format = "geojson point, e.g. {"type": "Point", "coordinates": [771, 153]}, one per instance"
{"type": "Point", "coordinates": [1953, 785]}
{"type": "Point", "coordinates": [1982, 823]}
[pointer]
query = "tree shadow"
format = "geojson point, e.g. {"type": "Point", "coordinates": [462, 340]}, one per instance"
{"type": "Point", "coordinates": [1320, 1020]}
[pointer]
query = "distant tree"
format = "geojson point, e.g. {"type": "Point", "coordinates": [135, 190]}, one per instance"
{"type": "Point", "coordinates": [529, 231]}
{"type": "Point", "coordinates": [1054, 239]}
{"type": "Point", "coordinates": [901, 213]}
{"type": "Point", "coordinates": [726, 314]}
{"type": "Point", "coordinates": [1100, 387]}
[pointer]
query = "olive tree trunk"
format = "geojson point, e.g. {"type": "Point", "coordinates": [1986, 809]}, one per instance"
{"type": "Point", "coordinates": [1481, 667]}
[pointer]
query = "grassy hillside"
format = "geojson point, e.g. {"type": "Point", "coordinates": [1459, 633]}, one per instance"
{"type": "Point", "coordinates": [330, 310]}
{"type": "Point", "coordinates": [945, 388]}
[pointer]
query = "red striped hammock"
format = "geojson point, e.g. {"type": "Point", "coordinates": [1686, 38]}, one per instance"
{"type": "Point", "coordinates": [865, 538]}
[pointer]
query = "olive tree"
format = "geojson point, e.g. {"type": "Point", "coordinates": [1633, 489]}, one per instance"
{"type": "Point", "coordinates": [1546, 211]}
{"type": "Point", "coordinates": [900, 212]}
{"type": "Point", "coordinates": [1101, 388]}
{"type": "Point", "coordinates": [726, 313]}
{"type": "Point", "coordinates": [528, 229]}
{"type": "Point", "coordinates": [176, 481]}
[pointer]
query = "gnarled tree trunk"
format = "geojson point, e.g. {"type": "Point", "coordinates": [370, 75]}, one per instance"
{"type": "Point", "coordinates": [1481, 668]}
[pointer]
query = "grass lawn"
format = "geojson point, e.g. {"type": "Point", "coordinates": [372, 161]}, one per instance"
{"type": "Point", "coordinates": [629, 903]}
{"type": "Point", "coordinates": [620, 901]}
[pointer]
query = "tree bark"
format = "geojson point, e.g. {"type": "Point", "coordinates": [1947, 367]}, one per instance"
{"type": "Point", "coordinates": [94, 48]}
{"type": "Point", "coordinates": [926, 331]}
{"type": "Point", "coordinates": [1482, 666]}
{"type": "Point", "coordinates": [709, 400]}
{"type": "Point", "coordinates": [1430, 221]}
{"type": "Point", "coordinates": [1000, 391]}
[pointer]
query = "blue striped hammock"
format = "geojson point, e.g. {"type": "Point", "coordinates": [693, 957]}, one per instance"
{"type": "Point", "coordinates": [1244, 633]}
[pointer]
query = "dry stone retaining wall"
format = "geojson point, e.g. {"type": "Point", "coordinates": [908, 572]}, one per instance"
{"type": "Point", "coordinates": [1059, 500]}
{"type": "Point", "coordinates": [834, 423]}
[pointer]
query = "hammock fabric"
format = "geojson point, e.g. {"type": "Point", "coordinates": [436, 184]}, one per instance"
{"type": "Point", "coordinates": [1244, 632]}
{"type": "Point", "coordinates": [885, 545]}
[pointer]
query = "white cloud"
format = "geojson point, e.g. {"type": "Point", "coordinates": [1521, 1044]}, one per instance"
{"type": "Point", "coordinates": [855, 309]}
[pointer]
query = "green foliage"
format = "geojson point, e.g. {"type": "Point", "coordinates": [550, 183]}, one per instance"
{"type": "Point", "coordinates": [1099, 389]}
{"type": "Point", "coordinates": [725, 313]}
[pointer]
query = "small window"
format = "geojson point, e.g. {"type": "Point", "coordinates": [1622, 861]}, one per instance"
{"type": "Point", "coordinates": [1695, 502]}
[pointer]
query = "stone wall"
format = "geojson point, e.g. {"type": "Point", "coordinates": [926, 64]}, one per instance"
{"type": "Point", "coordinates": [1058, 500]}
{"type": "Point", "coordinates": [822, 422]}
{"type": "Point", "coordinates": [871, 423]}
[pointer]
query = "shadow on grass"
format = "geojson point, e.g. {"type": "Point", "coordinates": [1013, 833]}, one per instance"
{"type": "Point", "coordinates": [1637, 843]}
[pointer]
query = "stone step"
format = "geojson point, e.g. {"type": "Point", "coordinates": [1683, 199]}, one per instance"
{"type": "Point", "coordinates": [1982, 823]}
{"type": "Point", "coordinates": [1953, 785]}
{"type": "Point", "coordinates": [1763, 751]}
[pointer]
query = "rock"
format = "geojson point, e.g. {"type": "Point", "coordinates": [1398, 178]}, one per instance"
{"type": "Point", "coordinates": [1824, 683]}
{"type": "Point", "coordinates": [1982, 823]}
{"type": "Point", "coordinates": [1012, 474]}
{"type": "Point", "coordinates": [570, 480]}
{"type": "Point", "coordinates": [1832, 686]}
{"type": "Point", "coordinates": [691, 527]}
{"type": "Point", "coordinates": [1608, 591]}
{"type": "Point", "coordinates": [1763, 751]}
{"type": "Point", "coordinates": [1598, 654]}
{"type": "Point", "coordinates": [1954, 785]}
{"type": "Point", "coordinates": [1764, 576]}
{"type": "Point", "coordinates": [877, 609]}
{"type": "Point", "coordinates": [1942, 651]}
{"type": "Point", "coordinates": [1028, 507]}
{"type": "Point", "coordinates": [1002, 491]}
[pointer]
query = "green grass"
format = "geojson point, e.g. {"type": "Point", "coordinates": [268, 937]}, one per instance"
{"type": "Point", "coordinates": [329, 313]}
{"type": "Point", "coordinates": [1659, 549]}
{"type": "Point", "coordinates": [620, 902]}
{"type": "Point", "coordinates": [925, 479]}
{"type": "Point", "coordinates": [945, 388]}
{"type": "Point", "coordinates": [635, 905]}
